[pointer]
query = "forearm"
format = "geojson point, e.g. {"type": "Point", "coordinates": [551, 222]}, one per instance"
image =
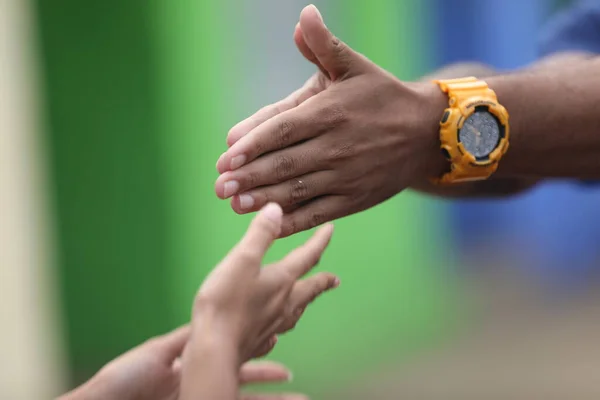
{"type": "Point", "coordinates": [210, 372]}
{"type": "Point", "coordinates": [210, 364]}
{"type": "Point", "coordinates": [554, 119]}
{"type": "Point", "coordinates": [493, 187]}
{"type": "Point", "coordinates": [500, 184]}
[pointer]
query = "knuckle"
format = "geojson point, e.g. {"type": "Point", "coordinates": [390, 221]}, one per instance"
{"type": "Point", "coordinates": [252, 179]}
{"type": "Point", "coordinates": [202, 300]}
{"type": "Point", "coordinates": [290, 228]}
{"type": "Point", "coordinates": [284, 166]}
{"type": "Point", "coordinates": [246, 256]}
{"type": "Point", "coordinates": [276, 108]}
{"type": "Point", "coordinates": [298, 191]}
{"type": "Point", "coordinates": [333, 115]}
{"type": "Point", "coordinates": [341, 152]}
{"type": "Point", "coordinates": [341, 51]}
{"type": "Point", "coordinates": [258, 147]}
{"type": "Point", "coordinates": [316, 219]}
{"type": "Point", "coordinates": [316, 291]}
{"type": "Point", "coordinates": [283, 133]}
{"type": "Point", "coordinates": [263, 196]}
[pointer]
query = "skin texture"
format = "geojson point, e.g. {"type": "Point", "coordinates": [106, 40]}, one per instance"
{"type": "Point", "coordinates": [242, 305]}
{"type": "Point", "coordinates": [355, 135]}
{"type": "Point", "coordinates": [152, 371]}
{"type": "Point", "coordinates": [237, 314]}
{"type": "Point", "coordinates": [312, 150]}
{"type": "Point", "coordinates": [498, 185]}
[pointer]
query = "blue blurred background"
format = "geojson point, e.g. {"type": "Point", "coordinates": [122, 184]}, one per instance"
{"type": "Point", "coordinates": [113, 115]}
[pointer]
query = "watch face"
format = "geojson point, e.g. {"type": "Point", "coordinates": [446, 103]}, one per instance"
{"type": "Point", "coordinates": [480, 133]}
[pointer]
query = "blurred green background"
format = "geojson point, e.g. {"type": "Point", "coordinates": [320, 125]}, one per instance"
{"type": "Point", "coordinates": [112, 116]}
{"type": "Point", "coordinates": [140, 96]}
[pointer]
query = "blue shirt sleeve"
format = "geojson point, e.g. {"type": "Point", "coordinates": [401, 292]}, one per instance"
{"type": "Point", "coordinates": [575, 29]}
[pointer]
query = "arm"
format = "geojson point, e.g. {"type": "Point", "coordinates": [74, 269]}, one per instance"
{"type": "Point", "coordinates": [241, 307]}
{"type": "Point", "coordinates": [497, 185]}
{"type": "Point", "coordinates": [355, 136]}
{"type": "Point", "coordinates": [210, 364]}
{"type": "Point", "coordinates": [555, 123]}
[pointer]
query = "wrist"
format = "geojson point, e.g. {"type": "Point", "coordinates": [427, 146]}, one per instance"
{"type": "Point", "coordinates": [432, 104]}
{"type": "Point", "coordinates": [212, 334]}
{"type": "Point", "coordinates": [210, 363]}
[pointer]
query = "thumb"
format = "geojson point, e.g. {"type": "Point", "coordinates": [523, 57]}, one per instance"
{"type": "Point", "coordinates": [333, 55]}
{"type": "Point", "coordinates": [305, 50]}
{"type": "Point", "coordinates": [170, 346]}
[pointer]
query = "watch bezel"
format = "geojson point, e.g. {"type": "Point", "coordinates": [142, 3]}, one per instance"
{"type": "Point", "coordinates": [454, 120]}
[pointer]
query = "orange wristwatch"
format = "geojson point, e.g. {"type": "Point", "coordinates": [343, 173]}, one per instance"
{"type": "Point", "coordinates": [474, 130]}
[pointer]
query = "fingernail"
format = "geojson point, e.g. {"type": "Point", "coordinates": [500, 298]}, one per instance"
{"type": "Point", "coordinates": [273, 212]}
{"type": "Point", "coordinates": [230, 188]}
{"type": "Point", "coordinates": [237, 161]}
{"type": "Point", "coordinates": [290, 377]}
{"type": "Point", "coordinates": [317, 11]}
{"type": "Point", "coordinates": [246, 201]}
{"type": "Point", "coordinates": [336, 282]}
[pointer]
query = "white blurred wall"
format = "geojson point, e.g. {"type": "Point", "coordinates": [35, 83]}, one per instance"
{"type": "Point", "coordinates": [30, 355]}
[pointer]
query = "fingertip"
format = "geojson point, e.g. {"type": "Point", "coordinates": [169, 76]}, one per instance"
{"type": "Point", "coordinates": [311, 11]}
{"type": "Point", "coordinates": [221, 164]}
{"type": "Point", "coordinates": [219, 189]}
{"type": "Point", "coordinates": [310, 16]}
{"type": "Point", "coordinates": [220, 186]}
{"type": "Point", "coordinates": [329, 228]}
{"type": "Point", "coordinates": [336, 282]}
{"type": "Point", "coordinates": [231, 137]}
{"type": "Point", "coordinates": [235, 205]}
{"type": "Point", "coordinates": [326, 232]}
{"type": "Point", "coordinates": [273, 213]}
{"type": "Point", "coordinates": [237, 132]}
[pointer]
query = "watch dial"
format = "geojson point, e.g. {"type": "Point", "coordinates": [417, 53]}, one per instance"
{"type": "Point", "coordinates": [480, 134]}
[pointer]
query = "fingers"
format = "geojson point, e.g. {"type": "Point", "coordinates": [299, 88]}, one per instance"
{"type": "Point", "coordinates": [283, 130]}
{"type": "Point", "coordinates": [270, 169]}
{"type": "Point", "coordinates": [263, 231]}
{"type": "Point", "coordinates": [314, 213]}
{"type": "Point", "coordinates": [304, 258]}
{"type": "Point", "coordinates": [305, 292]}
{"type": "Point", "coordinates": [264, 372]}
{"type": "Point", "coordinates": [285, 194]}
{"type": "Point", "coordinates": [171, 345]}
{"type": "Point", "coordinates": [336, 57]}
{"type": "Point", "coordinates": [262, 115]}
{"type": "Point", "coordinates": [313, 86]}
{"type": "Point", "coordinates": [281, 396]}
{"type": "Point", "coordinates": [266, 347]}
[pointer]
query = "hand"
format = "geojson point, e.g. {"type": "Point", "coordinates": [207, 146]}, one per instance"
{"type": "Point", "coordinates": [247, 304]}
{"type": "Point", "coordinates": [351, 138]}
{"type": "Point", "coordinates": [151, 371]}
